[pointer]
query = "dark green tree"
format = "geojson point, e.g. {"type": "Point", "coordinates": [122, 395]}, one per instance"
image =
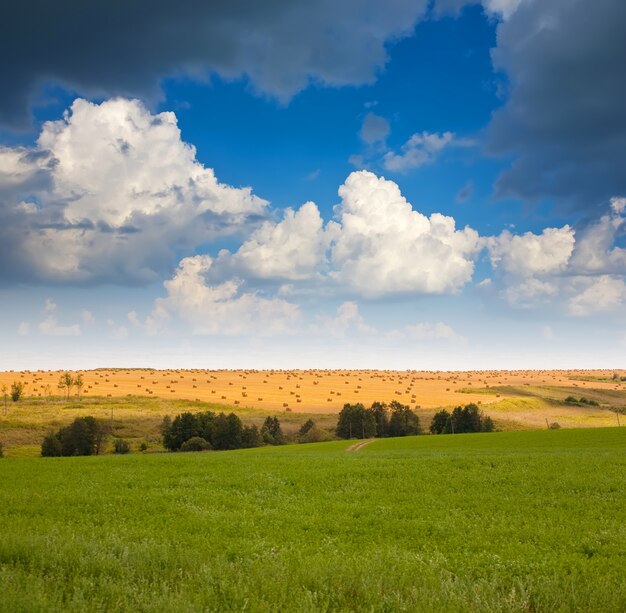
{"type": "Point", "coordinates": [355, 421]}
{"type": "Point", "coordinates": [251, 437]}
{"type": "Point", "coordinates": [382, 419]}
{"type": "Point", "coordinates": [51, 446]}
{"type": "Point", "coordinates": [182, 428]}
{"type": "Point", "coordinates": [306, 426]}
{"type": "Point", "coordinates": [227, 432]}
{"type": "Point", "coordinates": [441, 423]}
{"type": "Point", "coordinates": [84, 436]}
{"type": "Point", "coordinates": [403, 421]}
{"type": "Point", "coordinates": [271, 431]}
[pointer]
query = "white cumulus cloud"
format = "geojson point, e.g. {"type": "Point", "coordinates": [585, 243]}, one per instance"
{"type": "Point", "coordinates": [109, 193]}
{"type": "Point", "coordinates": [222, 309]}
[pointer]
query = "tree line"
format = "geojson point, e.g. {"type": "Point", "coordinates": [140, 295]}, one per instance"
{"type": "Point", "coordinates": [461, 420]}
{"type": "Point", "coordinates": [396, 419]}
{"type": "Point", "coordinates": [380, 420]}
{"type": "Point", "coordinates": [218, 431]}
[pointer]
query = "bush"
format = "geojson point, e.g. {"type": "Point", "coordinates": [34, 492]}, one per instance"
{"type": "Point", "coordinates": [17, 390]}
{"type": "Point", "coordinates": [143, 446]}
{"type": "Point", "coordinates": [121, 446]}
{"type": "Point", "coordinates": [51, 446]}
{"type": "Point", "coordinates": [1, 451]}
{"type": "Point", "coordinates": [315, 435]}
{"type": "Point", "coordinates": [196, 443]}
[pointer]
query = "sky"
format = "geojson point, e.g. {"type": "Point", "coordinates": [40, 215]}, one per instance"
{"type": "Point", "coordinates": [407, 184]}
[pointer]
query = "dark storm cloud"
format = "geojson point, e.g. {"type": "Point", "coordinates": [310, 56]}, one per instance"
{"type": "Point", "coordinates": [110, 47]}
{"type": "Point", "coordinates": [564, 119]}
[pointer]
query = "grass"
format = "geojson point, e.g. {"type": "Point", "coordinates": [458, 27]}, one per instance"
{"type": "Point", "coordinates": [516, 521]}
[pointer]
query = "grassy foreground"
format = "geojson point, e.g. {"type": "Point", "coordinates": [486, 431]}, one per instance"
{"type": "Point", "coordinates": [516, 521]}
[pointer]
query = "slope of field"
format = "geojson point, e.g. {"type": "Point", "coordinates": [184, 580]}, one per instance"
{"type": "Point", "coordinates": [518, 521]}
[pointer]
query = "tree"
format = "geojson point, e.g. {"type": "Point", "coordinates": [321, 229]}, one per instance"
{"type": "Point", "coordinates": [441, 423]}
{"type": "Point", "coordinates": [355, 421]}
{"type": "Point", "coordinates": [4, 393]}
{"type": "Point", "coordinates": [272, 432]}
{"type": "Point", "coordinates": [181, 429]}
{"type": "Point", "coordinates": [251, 437]}
{"type": "Point", "coordinates": [65, 383]}
{"type": "Point", "coordinates": [17, 389]}
{"type": "Point", "coordinates": [461, 420]}
{"type": "Point", "coordinates": [306, 426]}
{"type": "Point", "coordinates": [84, 436]}
{"type": "Point", "coordinates": [51, 446]}
{"type": "Point", "coordinates": [227, 432]}
{"type": "Point", "coordinates": [403, 421]}
{"type": "Point", "coordinates": [382, 419]}
{"type": "Point", "coordinates": [78, 384]}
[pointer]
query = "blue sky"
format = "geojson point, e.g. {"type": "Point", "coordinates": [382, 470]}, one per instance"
{"type": "Point", "coordinates": [430, 185]}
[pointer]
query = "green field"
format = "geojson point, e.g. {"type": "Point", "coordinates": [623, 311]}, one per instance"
{"type": "Point", "coordinates": [514, 521]}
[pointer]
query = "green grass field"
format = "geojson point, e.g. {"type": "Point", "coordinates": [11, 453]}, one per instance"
{"type": "Point", "coordinates": [514, 521]}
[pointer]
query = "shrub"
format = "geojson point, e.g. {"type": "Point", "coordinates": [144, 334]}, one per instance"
{"type": "Point", "coordinates": [196, 443]}
{"type": "Point", "coordinates": [1, 451]}
{"type": "Point", "coordinates": [121, 446]}
{"type": "Point", "coordinates": [143, 446]}
{"type": "Point", "coordinates": [17, 390]}
{"type": "Point", "coordinates": [51, 446]}
{"type": "Point", "coordinates": [315, 435]}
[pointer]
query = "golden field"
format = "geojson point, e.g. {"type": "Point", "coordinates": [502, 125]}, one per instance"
{"type": "Point", "coordinates": [135, 400]}
{"type": "Point", "coordinates": [311, 391]}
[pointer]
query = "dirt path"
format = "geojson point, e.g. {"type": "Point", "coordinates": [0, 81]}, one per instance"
{"type": "Point", "coordinates": [358, 446]}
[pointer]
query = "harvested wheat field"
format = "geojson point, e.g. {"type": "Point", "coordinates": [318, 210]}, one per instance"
{"type": "Point", "coordinates": [326, 391]}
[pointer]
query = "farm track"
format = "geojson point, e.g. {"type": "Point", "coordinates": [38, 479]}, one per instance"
{"type": "Point", "coordinates": [358, 446]}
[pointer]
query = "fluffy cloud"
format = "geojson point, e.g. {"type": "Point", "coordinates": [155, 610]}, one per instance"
{"type": "Point", "coordinates": [582, 269]}
{"type": "Point", "coordinates": [529, 254]}
{"type": "Point", "coordinates": [377, 245]}
{"type": "Point", "coordinates": [223, 309]}
{"type": "Point", "coordinates": [382, 245]}
{"type": "Point", "coordinates": [420, 149]}
{"type": "Point", "coordinates": [293, 249]}
{"type": "Point", "coordinates": [109, 194]}
{"type": "Point", "coordinates": [602, 294]}
{"type": "Point", "coordinates": [280, 45]}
